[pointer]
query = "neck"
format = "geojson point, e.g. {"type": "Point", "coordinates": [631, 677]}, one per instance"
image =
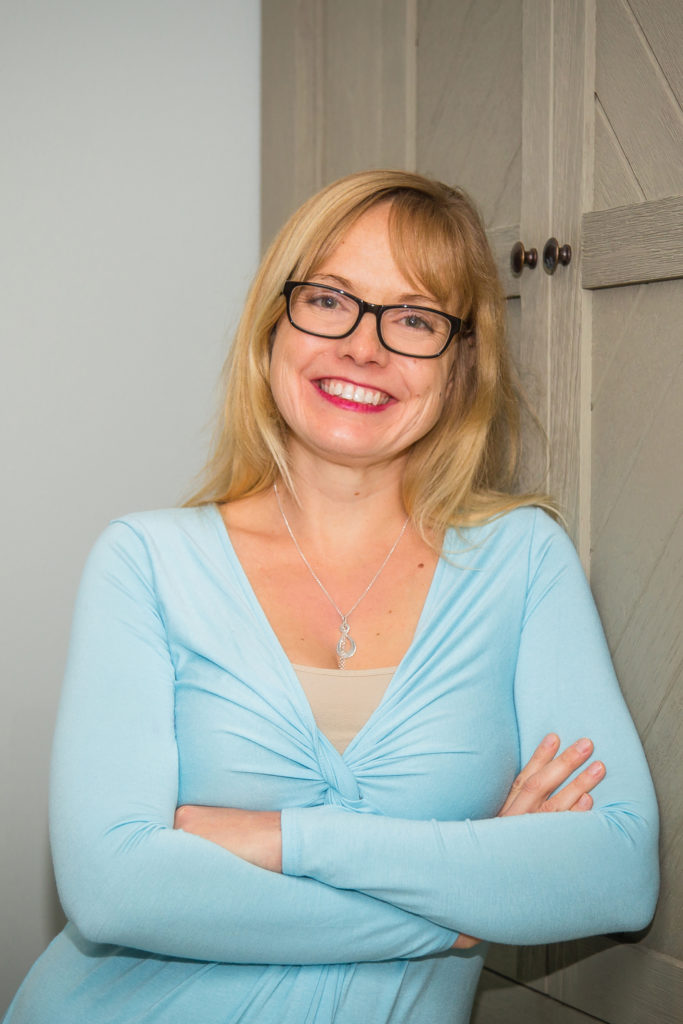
{"type": "Point", "coordinates": [346, 646]}
{"type": "Point", "coordinates": [332, 501]}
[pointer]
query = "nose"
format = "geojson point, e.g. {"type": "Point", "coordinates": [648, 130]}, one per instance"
{"type": "Point", "coordinates": [363, 344]}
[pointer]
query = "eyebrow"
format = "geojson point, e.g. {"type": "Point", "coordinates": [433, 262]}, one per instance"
{"type": "Point", "coordinates": [409, 298]}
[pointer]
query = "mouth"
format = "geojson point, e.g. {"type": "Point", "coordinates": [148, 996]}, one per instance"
{"type": "Point", "coordinates": [343, 389]}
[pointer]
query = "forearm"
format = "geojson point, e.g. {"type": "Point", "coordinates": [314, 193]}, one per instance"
{"type": "Point", "coordinates": [178, 895]}
{"type": "Point", "coordinates": [534, 878]}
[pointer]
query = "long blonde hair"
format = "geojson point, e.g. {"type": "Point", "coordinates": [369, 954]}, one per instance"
{"type": "Point", "coordinates": [463, 470]}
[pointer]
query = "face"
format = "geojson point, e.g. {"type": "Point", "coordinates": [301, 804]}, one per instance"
{"type": "Point", "coordinates": [349, 400]}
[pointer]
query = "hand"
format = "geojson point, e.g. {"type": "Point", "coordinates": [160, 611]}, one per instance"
{"type": "Point", "coordinates": [531, 791]}
{"type": "Point", "coordinates": [254, 836]}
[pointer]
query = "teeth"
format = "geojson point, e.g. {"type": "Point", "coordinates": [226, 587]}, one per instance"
{"type": "Point", "coordinates": [353, 393]}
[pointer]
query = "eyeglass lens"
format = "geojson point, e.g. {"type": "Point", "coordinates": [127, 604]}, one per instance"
{"type": "Point", "coordinates": [330, 314]}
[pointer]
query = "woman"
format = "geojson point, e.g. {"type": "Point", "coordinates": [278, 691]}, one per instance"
{"type": "Point", "coordinates": [327, 672]}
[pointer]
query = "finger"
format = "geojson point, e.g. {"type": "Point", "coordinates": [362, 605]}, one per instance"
{"type": "Point", "coordinates": [465, 941]}
{"type": "Point", "coordinates": [584, 803]}
{"type": "Point", "coordinates": [542, 755]}
{"type": "Point", "coordinates": [568, 796]}
{"type": "Point", "coordinates": [536, 788]}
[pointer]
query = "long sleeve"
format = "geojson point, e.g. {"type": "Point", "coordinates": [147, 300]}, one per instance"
{"type": "Point", "coordinates": [124, 875]}
{"type": "Point", "coordinates": [531, 878]}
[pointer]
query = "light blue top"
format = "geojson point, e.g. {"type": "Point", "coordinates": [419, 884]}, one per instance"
{"type": "Point", "coordinates": [177, 691]}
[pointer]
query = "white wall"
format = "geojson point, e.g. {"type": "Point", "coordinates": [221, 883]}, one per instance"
{"type": "Point", "coordinates": [129, 231]}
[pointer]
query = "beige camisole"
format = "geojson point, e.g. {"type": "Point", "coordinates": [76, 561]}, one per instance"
{"type": "Point", "coordinates": [342, 700]}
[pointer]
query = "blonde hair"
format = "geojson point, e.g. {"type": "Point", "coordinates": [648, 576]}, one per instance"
{"type": "Point", "coordinates": [463, 470]}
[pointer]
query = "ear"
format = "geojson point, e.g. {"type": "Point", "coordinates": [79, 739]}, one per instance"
{"type": "Point", "coordinates": [271, 339]}
{"type": "Point", "coordinates": [465, 359]}
{"type": "Point", "coordinates": [469, 342]}
{"type": "Point", "coordinates": [452, 373]}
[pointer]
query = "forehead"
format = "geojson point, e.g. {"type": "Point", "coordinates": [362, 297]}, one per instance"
{"type": "Point", "coordinates": [366, 242]}
{"type": "Point", "coordinates": [368, 253]}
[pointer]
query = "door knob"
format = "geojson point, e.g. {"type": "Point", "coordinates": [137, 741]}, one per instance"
{"type": "Point", "coordinates": [521, 257]}
{"type": "Point", "coordinates": [554, 253]}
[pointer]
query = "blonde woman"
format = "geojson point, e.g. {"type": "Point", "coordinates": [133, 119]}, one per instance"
{"type": "Point", "coordinates": [286, 781]}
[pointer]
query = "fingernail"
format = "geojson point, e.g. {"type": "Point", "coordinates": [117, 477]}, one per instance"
{"type": "Point", "coordinates": [597, 768]}
{"type": "Point", "coordinates": [585, 801]}
{"type": "Point", "coordinates": [550, 740]}
{"type": "Point", "coordinates": [584, 746]}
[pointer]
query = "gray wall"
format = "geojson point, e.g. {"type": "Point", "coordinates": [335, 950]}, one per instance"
{"type": "Point", "coordinates": [129, 212]}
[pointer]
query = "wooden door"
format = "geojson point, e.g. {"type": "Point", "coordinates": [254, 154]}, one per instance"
{"type": "Point", "coordinates": [563, 118]}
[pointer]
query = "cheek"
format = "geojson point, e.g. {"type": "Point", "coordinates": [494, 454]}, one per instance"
{"type": "Point", "coordinates": [441, 396]}
{"type": "Point", "coordinates": [288, 380]}
{"type": "Point", "coordinates": [282, 357]}
{"type": "Point", "coordinates": [280, 388]}
{"type": "Point", "coordinates": [435, 391]}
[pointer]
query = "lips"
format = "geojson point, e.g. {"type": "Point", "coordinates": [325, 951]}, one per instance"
{"type": "Point", "coordinates": [352, 392]}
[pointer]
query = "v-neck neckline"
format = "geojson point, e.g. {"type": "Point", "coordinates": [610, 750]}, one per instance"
{"type": "Point", "coordinates": [278, 649]}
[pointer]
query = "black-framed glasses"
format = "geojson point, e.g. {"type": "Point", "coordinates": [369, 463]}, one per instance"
{"type": "Point", "coordinates": [407, 330]}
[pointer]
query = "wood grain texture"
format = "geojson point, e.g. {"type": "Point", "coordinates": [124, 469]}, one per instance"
{"type": "Point", "coordinates": [527, 964]}
{"type": "Point", "coordinates": [643, 242]}
{"type": "Point", "coordinates": [570, 321]}
{"type": "Point", "coordinates": [663, 744]}
{"type": "Point", "coordinates": [636, 95]}
{"type": "Point", "coordinates": [291, 112]}
{"type": "Point", "coordinates": [533, 350]}
{"type": "Point", "coordinates": [636, 356]}
{"type": "Point", "coordinates": [501, 241]}
{"type": "Point", "coordinates": [469, 80]}
{"type": "Point", "coordinates": [637, 564]}
{"type": "Point", "coordinates": [368, 85]}
{"type": "Point", "coordinates": [662, 26]}
{"type": "Point", "coordinates": [639, 523]}
{"type": "Point", "coordinates": [500, 1001]}
{"type": "Point", "coordinates": [615, 184]}
{"type": "Point", "coordinates": [618, 983]}
{"type": "Point", "coordinates": [532, 472]}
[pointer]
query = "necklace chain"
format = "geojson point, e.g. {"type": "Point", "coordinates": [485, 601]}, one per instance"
{"type": "Point", "coordinates": [346, 645]}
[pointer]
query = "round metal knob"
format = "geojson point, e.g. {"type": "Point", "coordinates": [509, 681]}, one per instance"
{"type": "Point", "coordinates": [521, 257]}
{"type": "Point", "coordinates": [554, 253]}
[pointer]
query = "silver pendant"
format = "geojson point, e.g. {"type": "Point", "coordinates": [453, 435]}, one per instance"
{"type": "Point", "coordinates": [346, 645]}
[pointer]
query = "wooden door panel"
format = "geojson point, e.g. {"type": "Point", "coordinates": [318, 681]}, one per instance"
{"type": "Point", "coordinates": [608, 981]}
{"type": "Point", "coordinates": [637, 355]}
{"type": "Point", "coordinates": [663, 745]}
{"type": "Point", "coordinates": [628, 244]}
{"type": "Point", "coordinates": [662, 26]}
{"type": "Point", "coordinates": [616, 983]}
{"type": "Point", "coordinates": [615, 184]}
{"type": "Point", "coordinates": [562, 117]}
{"type": "Point", "coordinates": [290, 109]}
{"type": "Point", "coordinates": [636, 97]}
{"type": "Point", "coordinates": [637, 531]}
{"type": "Point", "coordinates": [368, 87]}
{"type": "Point", "coordinates": [500, 1001]}
{"type": "Point", "coordinates": [469, 100]}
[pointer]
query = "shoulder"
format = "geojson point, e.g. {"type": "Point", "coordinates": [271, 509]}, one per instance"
{"type": "Point", "coordinates": [516, 549]}
{"type": "Point", "coordinates": [157, 536]}
{"type": "Point", "coordinates": [525, 529]}
{"type": "Point", "coordinates": [165, 522]}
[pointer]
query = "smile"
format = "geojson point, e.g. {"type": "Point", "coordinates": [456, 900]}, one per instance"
{"type": "Point", "coordinates": [352, 392]}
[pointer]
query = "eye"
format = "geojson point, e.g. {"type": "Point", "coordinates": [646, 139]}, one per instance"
{"type": "Point", "coordinates": [325, 300]}
{"type": "Point", "coordinates": [416, 321]}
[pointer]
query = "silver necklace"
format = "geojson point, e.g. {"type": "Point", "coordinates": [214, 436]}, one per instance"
{"type": "Point", "coordinates": [346, 645]}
